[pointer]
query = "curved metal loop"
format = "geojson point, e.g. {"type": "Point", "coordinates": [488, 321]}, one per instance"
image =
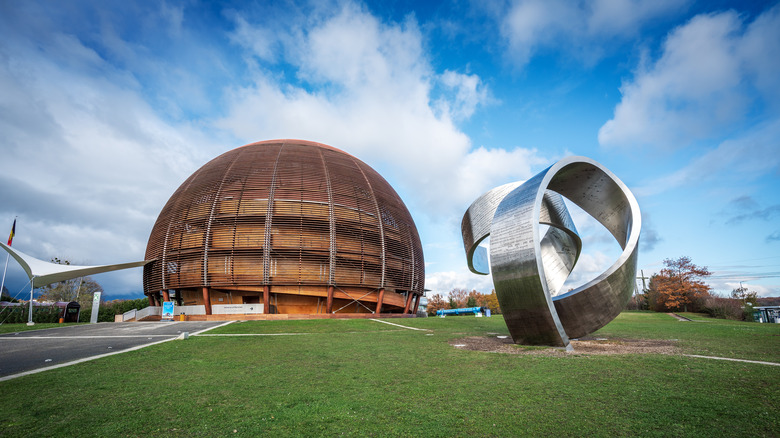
{"type": "Point", "coordinates": [529, 270]}
{"type": "Point", "coordinates": [475, 226]}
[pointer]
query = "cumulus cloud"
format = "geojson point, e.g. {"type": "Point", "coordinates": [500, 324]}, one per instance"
{"type": "Point", "coordinates": [589, 266]}
{"type": "Point", "coordinates": [88, 163]}
{"type": "Point", "coordinates": [442, 282]}
{"type": "Point", "coordinates": [724, 288]}
{"type": "Point", "coordinates": [580, 27]}
{"type": "Point", "coordinates": [470, 93]}
{"type": "Point", "coordinates": [368, 87]}
{"type": "Point", "coordinates": [713, 74]}
{"type": "Point", "coordinates": [741, 158]}
{"type": "Point", "coordinates": [103, 119]}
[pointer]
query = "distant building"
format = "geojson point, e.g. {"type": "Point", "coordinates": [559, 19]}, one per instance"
{"type": "Point", "coordinates": [287, 227]}
{"type": "Point", "coordinates": [769, 314]}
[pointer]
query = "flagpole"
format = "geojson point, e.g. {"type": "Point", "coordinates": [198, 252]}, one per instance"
{"type": "Point", "coordinates": [7, 257]}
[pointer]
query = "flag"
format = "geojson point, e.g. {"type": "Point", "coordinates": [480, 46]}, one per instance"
{"type": "Point", "coordinates": [13, 231]}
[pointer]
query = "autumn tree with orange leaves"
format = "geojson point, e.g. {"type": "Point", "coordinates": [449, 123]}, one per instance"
{"type": "Point", "coordinates": [679, 286]}
{"type": "Point", "coordinates": [490, 301]}
{"type": "Point", "coordinates": [459, 298]}
{"type": "Point", "coordinates": [437, 302]}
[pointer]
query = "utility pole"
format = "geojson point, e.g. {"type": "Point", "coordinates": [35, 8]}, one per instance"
{"type": "Point", "coordinates": [643, 278]}
{"type": "Point", "coordinates": [644, 287]}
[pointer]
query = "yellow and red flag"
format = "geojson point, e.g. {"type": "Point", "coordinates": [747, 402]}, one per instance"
{"type": "Point", "coordinates": [13, 231]}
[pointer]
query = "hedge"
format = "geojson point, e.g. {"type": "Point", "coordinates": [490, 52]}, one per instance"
{"type": "Point", "coordinates": [44, 314]}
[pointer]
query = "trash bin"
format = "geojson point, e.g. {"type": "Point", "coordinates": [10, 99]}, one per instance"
{"type": "Point", "coordinates": [71, 312]}
{"type": "Point", "coordinates": [182, 317]}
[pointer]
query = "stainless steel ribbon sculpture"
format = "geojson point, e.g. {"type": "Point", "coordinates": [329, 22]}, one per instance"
{"type": "Point", "coordinates": [529, 270]}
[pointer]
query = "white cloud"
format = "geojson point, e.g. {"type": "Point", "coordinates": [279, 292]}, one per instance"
{"type": "Point", "coordinates": [589, 266]}
{"type": "Point", "coordinates": [88, 163]}
{"type": "Point", "coordinates": [735, 160]}
{"type": "Point", "coordinates": [100, 127]}
{"type": "Point", "coordinates": [704, 84]}
{"type": "Point", "coordinates": [760, 51]}
{"type": "Point", "coordinates": [470, 93]}
{"type": "Point", "coordinates": [260, 41]}
{"type": "Point", "coordinates": [626, 17]}
{"type": "Point", "coordinates": [366, 87]}
{"type": "Point", "coordinates": [579, 28]}
{"type": "Point", "coordinates": [724, 288]}
{"type": "Point", "coordinates": [443, 282]}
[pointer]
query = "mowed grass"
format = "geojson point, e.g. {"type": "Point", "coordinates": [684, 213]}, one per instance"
{"type": "Point", "coordinates": [704, 336]}
{"type": "Point", "coordinates": [365, 378]}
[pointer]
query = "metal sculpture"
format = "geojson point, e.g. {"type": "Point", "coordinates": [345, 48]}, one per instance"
{"type": "Point", "coordinates": [529, 270]}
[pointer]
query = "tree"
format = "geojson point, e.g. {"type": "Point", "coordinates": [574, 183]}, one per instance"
{"type": "Point", "coordinates": [77, 289]}
{"type": "Point", "coordinates": [491, 302]}
{"type": "Point", "coordinates": [745, 297]}
{"type": "Point", "coordinates": [679, 286]}
{"type": "Point", "coordinates": [458, 298]}
{"type": "Point", "coordinates": [5, 295]}
{"type": "Point", "coordinates": [747, 301]}
{"type": "Point", "coordinates": [435, 303]}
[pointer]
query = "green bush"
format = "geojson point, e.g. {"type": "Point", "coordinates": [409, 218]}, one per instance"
{"type": "Point", "coordinates": [726, 308]}
{"type": "Point", "coordinates": [18, 315]}
{"type": "Point", "coordinates": [51, 314]}
{"type": "Point", "coordinates": [109, 309]}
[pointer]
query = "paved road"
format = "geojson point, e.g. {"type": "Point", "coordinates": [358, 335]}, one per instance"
{"type": "Point", "coordinates": [35, 349]}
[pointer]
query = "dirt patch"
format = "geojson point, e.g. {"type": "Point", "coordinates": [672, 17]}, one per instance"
{"type": "Point", "coordinates": [494, 344]}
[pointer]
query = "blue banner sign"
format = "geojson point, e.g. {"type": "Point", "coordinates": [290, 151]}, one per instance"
{"type": "Point", "coordinates": [167, 311]}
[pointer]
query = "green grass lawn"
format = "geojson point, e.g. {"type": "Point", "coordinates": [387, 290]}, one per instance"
{"type": "Point", "coordinates": [705, 336]}
{"type": "Point", "coordinates": [361, 377]}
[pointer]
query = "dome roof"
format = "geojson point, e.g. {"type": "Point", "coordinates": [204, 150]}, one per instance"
{"type": "Point", "coordinates": [285, 212]}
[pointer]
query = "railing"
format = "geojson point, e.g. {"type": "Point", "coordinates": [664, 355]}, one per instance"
{"type": "Point", "coordinates": [189, 310]}
{"type": "Point", "coordinates": [147, 312]}
{"type": "Point", "coordinates": [129, 315]}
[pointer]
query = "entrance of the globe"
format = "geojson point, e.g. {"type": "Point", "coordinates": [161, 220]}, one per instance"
{"type": "Point", "coordinates": [251, 299]}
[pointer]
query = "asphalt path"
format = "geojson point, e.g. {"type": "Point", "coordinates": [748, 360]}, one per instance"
{"type": "Point", "coordinates": [27, 351]}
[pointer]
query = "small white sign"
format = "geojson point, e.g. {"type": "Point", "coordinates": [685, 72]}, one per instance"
{"type": "Point", "coordinates": [236, 309]}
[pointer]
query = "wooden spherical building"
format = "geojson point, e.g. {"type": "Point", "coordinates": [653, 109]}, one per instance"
{"type": "Point", "coordinates": [301, 227]}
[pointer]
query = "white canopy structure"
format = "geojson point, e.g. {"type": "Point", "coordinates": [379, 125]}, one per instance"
{"type": "Point", "coordinates": [42, 273]}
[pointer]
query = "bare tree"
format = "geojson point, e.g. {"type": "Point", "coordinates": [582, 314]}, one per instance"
{"type": "Point", "coordinates": [77, 289]}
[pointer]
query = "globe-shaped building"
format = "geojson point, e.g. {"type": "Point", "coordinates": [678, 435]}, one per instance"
{"type": "Point", "coordinates": [297, 226]}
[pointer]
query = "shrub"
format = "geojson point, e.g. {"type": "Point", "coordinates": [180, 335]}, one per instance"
{"type": "Point", "coordinates": [20, 314]}
{"type": "Point", "coordinates": [43, 314]}
{"type": "Point", "coordinates": [109, 309]}
{"type": "Point", "coordinates": [725, 308]}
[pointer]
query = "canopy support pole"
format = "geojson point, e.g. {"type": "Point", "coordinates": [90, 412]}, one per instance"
{"type": "Point", "coordinates": [32, 287]}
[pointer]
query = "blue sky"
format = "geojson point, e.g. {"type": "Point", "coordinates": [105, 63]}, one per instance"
{"type": "Point", "coordinates": [107, 107]}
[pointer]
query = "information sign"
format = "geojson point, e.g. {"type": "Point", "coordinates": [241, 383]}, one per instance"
{"type": "Point", "coordinates": [95, 308]}
{"type": "Point", "coordinates": [167, 311]}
